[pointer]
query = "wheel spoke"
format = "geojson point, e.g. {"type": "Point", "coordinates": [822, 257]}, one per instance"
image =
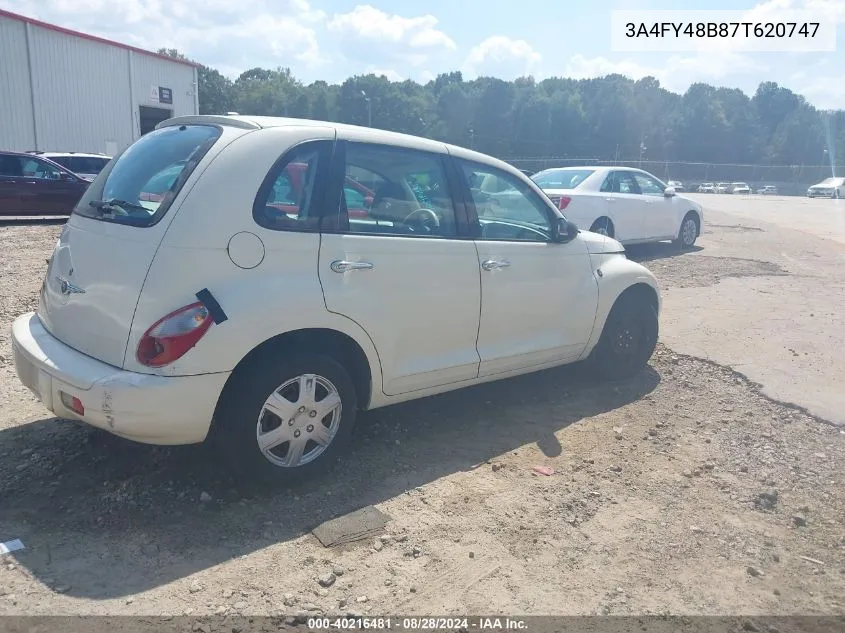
{"type": "Point", "coordinates": [296, 448]}
{"type": "Point", "coordinates": [307, 389]}
{"type": "Point", "coordinates": [321, 434]}
{"type": "Point", "coordinates": [271, 439]}
{"type": "Point", "coordinates": [281, 407]}
{"type": "Point", "coordinates": [327, 405]}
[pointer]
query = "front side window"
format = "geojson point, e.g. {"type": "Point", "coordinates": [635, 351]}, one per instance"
{"type": "Point", "coordinates": [648, 185]}
{"type": "Point", "coordinates": [141, 184]}
{"type": "Point", "coordinates": [410, 195]}
{"type": "Point", "coordinates": [289, 199]}
{"type": "Point", "coordinates": [35, 168]}
{"type": "Point", "coordinates": [515, 212]}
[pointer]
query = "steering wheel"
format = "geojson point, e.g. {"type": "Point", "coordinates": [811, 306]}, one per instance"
{"type": "Point", "coordinates": [425, 219]}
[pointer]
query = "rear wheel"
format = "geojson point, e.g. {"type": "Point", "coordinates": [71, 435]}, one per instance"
{"type": "Point", "coordinates": [602, 226]}
{"type": "Point", "coordinates": [286, 418]}
{"type": "Point", "coordinates": [688, 232]}
{"type": "Point", "coordinates": [628, 338]}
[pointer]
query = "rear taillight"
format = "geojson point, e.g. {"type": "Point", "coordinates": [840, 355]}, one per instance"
{"type": "Point", "coordinates": [563, 202]}
{"type": "Point", "coordinates": [172, 336]}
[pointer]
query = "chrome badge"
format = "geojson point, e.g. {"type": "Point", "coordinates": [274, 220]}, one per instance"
{"type": "Point", "coordinates": [68, 288]}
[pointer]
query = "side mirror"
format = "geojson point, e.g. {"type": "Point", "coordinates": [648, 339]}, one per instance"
{"type": "Point", "coordinates": [669, 192]}
{"type": "Point", "coordinates": [63, 175]}
{"type": "Point", "coordinates": [564, 231]}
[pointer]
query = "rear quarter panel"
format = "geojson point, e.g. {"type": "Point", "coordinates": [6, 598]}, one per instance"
{"type": "Point", "coordinates": [281, 294]}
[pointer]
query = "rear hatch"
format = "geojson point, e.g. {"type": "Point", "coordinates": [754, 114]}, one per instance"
{"type": "Point", "coordinates": [97, 270]}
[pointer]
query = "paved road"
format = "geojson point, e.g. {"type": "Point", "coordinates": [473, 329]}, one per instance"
{"type": "Point", "coordinates": [785, 331]}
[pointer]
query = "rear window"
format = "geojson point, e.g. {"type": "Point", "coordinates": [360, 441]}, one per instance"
{"type": "Point", "coordinates": [141, 184]}
{"type": "Point", "coordinates": [561, 178]}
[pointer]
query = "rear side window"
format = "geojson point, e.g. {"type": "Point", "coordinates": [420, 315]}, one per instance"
{"type": "Point", "coordinates": [291, 196]}
{"type": "Point", "coordinates": [82, 164]}
{"type": "Point", "coordinates": [141, 184]}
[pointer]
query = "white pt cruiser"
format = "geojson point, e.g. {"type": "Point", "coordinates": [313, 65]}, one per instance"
{"type": "Point", "coordinates": [259, 281]}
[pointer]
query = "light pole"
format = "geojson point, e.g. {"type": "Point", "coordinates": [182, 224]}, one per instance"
{"type": "Point", "coordinates": [369, 108]}
{"type": "Point", "coordinates": [471, 138]}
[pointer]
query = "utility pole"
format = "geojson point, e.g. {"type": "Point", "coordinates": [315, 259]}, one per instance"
{"type": "Point", "coordinates": [369, 108]}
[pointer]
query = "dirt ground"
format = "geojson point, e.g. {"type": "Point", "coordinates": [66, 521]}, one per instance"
{"type": "Point", "coordinates": [688, 490]}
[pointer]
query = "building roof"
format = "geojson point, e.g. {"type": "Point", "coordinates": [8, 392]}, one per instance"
{"type": "Point", "coordinates": [91, 38]}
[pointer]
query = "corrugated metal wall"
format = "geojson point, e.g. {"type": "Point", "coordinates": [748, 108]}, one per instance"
{"type": "Point", "coordinates": [16, 131]}
{"type": "Point", "coordinates": [86, 94]}
{"type": "Point", "coordinates": [81, 91]}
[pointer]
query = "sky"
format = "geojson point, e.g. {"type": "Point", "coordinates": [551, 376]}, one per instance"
{"type": "Point", "coordinates": [334, 39]}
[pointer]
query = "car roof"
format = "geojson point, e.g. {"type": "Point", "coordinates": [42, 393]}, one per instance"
{"type": "Point", "coordinates": [375, 135]}
{"type": "Point", "coordinates": [83, 154]}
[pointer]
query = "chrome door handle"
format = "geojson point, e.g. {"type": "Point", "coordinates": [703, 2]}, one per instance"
{"type": "Point", "coordinates": [492, 264]}
{"type": "Point", "coordinates": [342, 266]}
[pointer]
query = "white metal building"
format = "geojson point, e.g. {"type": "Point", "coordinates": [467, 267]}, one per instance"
{"type": "Point", "coordinates": [63, 91]}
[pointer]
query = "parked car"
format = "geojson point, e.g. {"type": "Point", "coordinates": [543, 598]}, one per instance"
{"type": "Point", "coordinates": [768, 190]}
{"type": "Point", "coordinates": [827, 188]}
{"type": "Point", "coordinates": [84, 165]}
{"type": "Point", "coordinates": [722, 187]}
{"type": "Point", "coordinates": [707, 187]}
{"type": "Point", "coordinates": [32, 185]}
{"type": "Point", "coordinates": [629, 205]}
{"type": "Point", "coordinates": [740, 188]}
{"type": "Point", "coordinates": [676, 185]}
{"type": "Point", "coordinates": [210, 317]}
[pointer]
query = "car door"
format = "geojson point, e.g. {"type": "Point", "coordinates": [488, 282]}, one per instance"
{"type": "Point", "coordinates": [49, 189]}
{"type": "Point", "coordinates": [660, 211]}
{"type": "Point", "coordinates": [408, 272]}
{"type": "Point", "coordinates": [538, 298]}
{"type": "Point", "coordinates": [624, 205]}
{"type": "Point", "coordinates": [11, 183]}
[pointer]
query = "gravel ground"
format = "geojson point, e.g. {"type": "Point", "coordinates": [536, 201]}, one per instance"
{"type": "Point", "coordinates": [684, 491]}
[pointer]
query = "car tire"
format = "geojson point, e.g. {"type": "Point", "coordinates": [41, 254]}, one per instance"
{"type": "Point", "coordinates": [243, 417]}
{"type": "Point", "coordinates": [603, 226]}
{"type": "Point", "coordinates": [627, 340]}
{"type": "Point", "coordinates": [688, 232]}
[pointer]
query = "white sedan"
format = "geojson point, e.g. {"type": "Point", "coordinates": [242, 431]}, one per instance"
{"type": "Point", "coordinates": [629, 205]}
{"type": "Point", "coordinates": [828, 188]}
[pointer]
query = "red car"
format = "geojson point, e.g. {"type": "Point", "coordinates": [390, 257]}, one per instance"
{"type": "Point", "coordinates": [31, 185]}
{"type": "Point", "coordinates": [359, 198]}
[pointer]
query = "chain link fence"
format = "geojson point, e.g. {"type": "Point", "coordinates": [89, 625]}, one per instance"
{"type": "Point", "coordinates": [790, 180]}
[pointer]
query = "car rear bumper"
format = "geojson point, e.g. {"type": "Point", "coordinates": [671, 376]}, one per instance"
{"type": "Point", "coordinates": [140, 407]}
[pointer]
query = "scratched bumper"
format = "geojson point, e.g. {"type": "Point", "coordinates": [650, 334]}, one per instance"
{"type": "Point", "coordinates": [140, 407]}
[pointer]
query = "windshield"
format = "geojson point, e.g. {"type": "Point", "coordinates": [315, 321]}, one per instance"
{"type": "Point", "coordinates": [142, 182]}
{"type": "Point", "coordinates": [561, 178]}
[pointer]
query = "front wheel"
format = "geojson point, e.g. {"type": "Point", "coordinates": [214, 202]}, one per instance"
{"type": "Point", "coordinates": [286, 418]}
{"type": "Point", "coordinates": [688, 232]}
{"type": "Point", "coordinates": [627, 340]}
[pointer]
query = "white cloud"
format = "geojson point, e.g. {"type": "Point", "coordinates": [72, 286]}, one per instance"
{"type": "Point", "coordinates": [372, 36]}
{"type": "Point", "coordinates": [231, 36]}
{"type": "Point", "coordinates": [824, 92]}
{"type": "Point", "coordinates": [367, 22]}
{"type": "Point", "coordinates": [391, 74]}
{"type": "Point", "coordinates": [677, 73]}
{"type": "Point", "coordinates": [502, 57]}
